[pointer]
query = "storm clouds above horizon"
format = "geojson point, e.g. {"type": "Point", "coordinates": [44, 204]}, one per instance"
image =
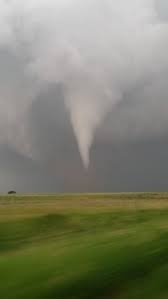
{"type": "Point", "coordinates": [83, 95]}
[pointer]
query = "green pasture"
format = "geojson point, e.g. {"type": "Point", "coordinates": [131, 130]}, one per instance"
{"type": "Point", "coordinates": [73, 246]}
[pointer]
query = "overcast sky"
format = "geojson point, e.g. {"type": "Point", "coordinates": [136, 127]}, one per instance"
{"type": "Point", "coordinates": [83, 95]}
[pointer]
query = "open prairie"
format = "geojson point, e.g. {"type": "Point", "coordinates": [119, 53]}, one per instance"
{"type": "Point", "coordinates": [84, 246]}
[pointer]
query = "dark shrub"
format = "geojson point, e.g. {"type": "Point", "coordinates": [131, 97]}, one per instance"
{"type": "Point", "coordinates": [12, 192]}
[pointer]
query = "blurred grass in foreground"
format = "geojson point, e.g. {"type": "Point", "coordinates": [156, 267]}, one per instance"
{"type": "Point", "coordinates": [84, 246]}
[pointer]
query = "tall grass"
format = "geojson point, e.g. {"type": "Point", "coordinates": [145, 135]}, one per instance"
{"type": "Point", "coordinates": [92, 248]}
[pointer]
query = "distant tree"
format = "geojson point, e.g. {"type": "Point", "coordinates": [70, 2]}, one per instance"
{"type": "Point", "coordinates": [12, 192]}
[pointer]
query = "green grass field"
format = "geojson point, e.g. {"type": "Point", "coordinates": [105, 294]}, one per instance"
{"type": "Point", "coordinates": [84, 246]}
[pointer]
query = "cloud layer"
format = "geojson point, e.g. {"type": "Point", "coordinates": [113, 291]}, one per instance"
{"type": "Point", "coordinates": [98, 67]}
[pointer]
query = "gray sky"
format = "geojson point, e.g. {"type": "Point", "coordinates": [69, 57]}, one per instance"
{"type": "Point", "coordinates": [83, 95]}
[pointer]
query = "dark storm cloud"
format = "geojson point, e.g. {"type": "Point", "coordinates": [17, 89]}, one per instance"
{"type": "Point", "coordinates": [64, 88]}
{"type": "Point", "coordinates": [162, 8]}
{"type": "Point", "coordinates": [134, 166]}
{"type": "Point", "coordinates": [141, 115]}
